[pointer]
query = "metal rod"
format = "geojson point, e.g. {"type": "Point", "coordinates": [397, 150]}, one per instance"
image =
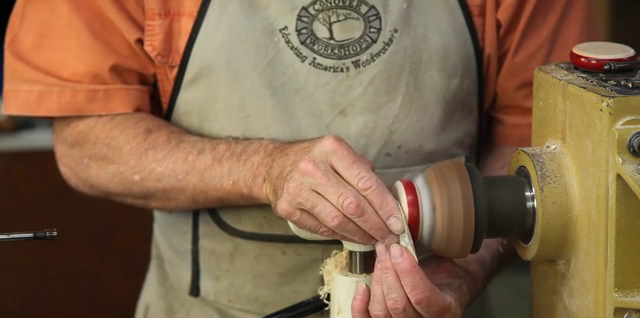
{"type": "Point", "coordinates": [361, 262]}
{"type": "Point", "coordinates": [621, 66]}
{"type": "Point", "coordinates": [49, 234]}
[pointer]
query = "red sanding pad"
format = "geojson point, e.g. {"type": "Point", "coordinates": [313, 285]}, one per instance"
{"type": "Point", "coordinates": [413, 211]}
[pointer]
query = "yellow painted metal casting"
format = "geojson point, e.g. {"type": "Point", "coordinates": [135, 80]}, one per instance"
{"type": "Point", "coordinates": [585, 251]}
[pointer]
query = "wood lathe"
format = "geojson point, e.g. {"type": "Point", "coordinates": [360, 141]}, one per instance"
{"type": "Point", "coordinates": [571, 202]}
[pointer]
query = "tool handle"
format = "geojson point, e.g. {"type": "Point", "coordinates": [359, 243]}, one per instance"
{"type": "Point", "coordinates": [49, 234]}
{"type": "Point", "coordinates": [621, 66]}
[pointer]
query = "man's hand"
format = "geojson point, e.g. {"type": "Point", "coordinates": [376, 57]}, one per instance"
{"type": "Point", "coordinates": [325, 187]}
{"type": "Point", "coordinates": [441, 287]}
{"type": "Point", "coordinates": [400, 288]}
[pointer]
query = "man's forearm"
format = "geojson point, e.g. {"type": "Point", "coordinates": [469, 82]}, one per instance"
{"type": "Point", "coordinates": [142, 160]}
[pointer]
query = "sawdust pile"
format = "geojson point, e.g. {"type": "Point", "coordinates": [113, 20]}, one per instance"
{"type": "Point", "coordinates": [337, 263]}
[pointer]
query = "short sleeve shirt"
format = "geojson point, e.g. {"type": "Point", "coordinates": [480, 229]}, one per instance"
{"type": "Point", "coordinates": [109, 57]}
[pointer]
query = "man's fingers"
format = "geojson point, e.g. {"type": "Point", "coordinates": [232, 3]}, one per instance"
{"type": "Point", "coordinates": [367, 162]}
{"type": "Point", "coordinates": [332, 218]}
{"type": "Point", "coordinates": [317, 188]}
{"type": "Point", "coordinates": [374, 197]}
{"type": "Point", "coordinates": [397, 301]}
{"type": "Point", "coordinates": [353, 210]}
{"type": "Point", "coordinates": [423, 295]}
{"type": "Point", "coordinates": [378, 305]}
{"type": "Point", "coordinates": [360, 303]}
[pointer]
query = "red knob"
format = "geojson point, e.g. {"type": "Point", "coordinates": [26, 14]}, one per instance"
{"type": "Point", "coordinates": [598, 56]}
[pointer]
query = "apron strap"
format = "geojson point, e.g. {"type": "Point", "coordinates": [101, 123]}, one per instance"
{"type": "Point", "coordinates": [481, 140]}
{"type": "Point", "coordinates": [194, 286]}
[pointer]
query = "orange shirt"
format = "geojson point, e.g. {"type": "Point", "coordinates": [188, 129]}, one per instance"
{"type": "Point", "coordinates": [71, 58]}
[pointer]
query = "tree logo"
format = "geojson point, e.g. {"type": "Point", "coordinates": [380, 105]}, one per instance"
{"type": "Point", "coordinates": [338, 29]}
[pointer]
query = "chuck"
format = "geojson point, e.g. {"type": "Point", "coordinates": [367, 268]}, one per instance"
{"type": "Point", "coordinates": [451, 208]}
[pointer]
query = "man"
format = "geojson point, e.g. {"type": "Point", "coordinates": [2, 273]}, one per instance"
{"type": "Point", "coordinates": [227, 117]}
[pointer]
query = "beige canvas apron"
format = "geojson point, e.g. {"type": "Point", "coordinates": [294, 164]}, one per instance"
{"type": "Point", "coordinates": [397, 79]}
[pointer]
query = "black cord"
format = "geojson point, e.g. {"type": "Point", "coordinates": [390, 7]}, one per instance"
{"type": "Point", "coordinates": [304, 308]}
{"type": "Point", "coordinates": [261, 237]}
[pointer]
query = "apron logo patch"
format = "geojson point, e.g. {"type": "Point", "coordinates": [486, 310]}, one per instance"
{"type": "Point", "coordinates": [337, 30]}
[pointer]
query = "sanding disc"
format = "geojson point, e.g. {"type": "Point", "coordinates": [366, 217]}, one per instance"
{"type": "Point", "coordinates": [453, 208]}
{"type": "Point", "coordinates": [405, 192]}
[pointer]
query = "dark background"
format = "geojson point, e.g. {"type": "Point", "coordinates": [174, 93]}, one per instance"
{"type": "Point", "coordinates": [96, 267]}
{"type": "Point", "coordinates": [625, 22]}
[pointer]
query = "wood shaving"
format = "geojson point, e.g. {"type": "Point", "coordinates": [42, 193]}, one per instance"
{"type": "Point", "coordinates": [337, 263]}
